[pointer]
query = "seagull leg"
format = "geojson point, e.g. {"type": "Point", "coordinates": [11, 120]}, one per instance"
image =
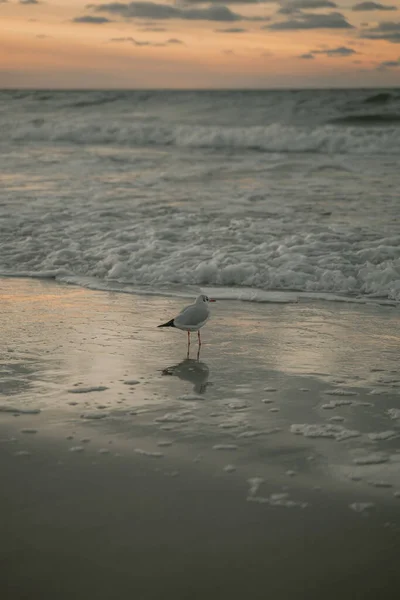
{"type": "Point", "coordinates": [198, 335]}
{"type": "Point", "coordinates": [188, 347]}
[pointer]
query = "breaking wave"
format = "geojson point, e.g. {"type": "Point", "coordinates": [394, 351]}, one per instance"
{"type": "Point", "coordinates": [271, 138]}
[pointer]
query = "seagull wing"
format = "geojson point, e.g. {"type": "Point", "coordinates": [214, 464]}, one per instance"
{"type": "Point", "coordinates": [192, 316]}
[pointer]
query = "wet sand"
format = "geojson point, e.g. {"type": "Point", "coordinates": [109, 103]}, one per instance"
{"type": "Point", "coordinates": [105, 528]}
{"type": "Point", "coordinates": [140, 501]}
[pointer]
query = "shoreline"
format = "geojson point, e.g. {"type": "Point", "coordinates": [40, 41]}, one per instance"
{"type": "Point", "coordinates": [224, 293]}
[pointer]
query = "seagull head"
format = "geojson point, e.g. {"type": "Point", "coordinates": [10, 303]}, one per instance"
{"type": "Point", "coordinates": [203, 298]}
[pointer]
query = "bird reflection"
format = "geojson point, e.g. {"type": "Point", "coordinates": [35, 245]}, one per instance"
{"type": "Point", "coordinates": [194, 371]}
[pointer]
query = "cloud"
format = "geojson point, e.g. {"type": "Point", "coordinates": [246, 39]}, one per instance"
{"type": "Point", "coordinates": [389, 64]}
{"type": "Point", "coordinates": [228, 1]}
{"type": "Point", "coordinates": [43, 36]}
{"type": "Point", "coordinates": [341, 51]}
{"type": "Point", "coordinates": [332, 52]}
{"type": "Point", "coordinates": [153, 29]}
{"type": "Point", "coordinates": [90, 19]}
{"type": "Point", "coordinates": [188, 2]}
{"type": "Point", "coordinates": [231, 30]}
{"type": "Point", "coordinates": [294, 6]}
{"type": "Point", "coordinates": [364, 6]}
{"type": "Point", "coordinates": [386, 30]}
{"type": "Point", "coordinates": [29, 2]}
{"type": "Point", "coordinates": [152, 10]}
{"type": "Point", "coordinates": [131, 40]}
{"type": "Point", "coordinates": [332, 20]}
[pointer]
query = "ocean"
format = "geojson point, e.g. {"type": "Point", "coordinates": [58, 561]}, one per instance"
{"type": "Point", "coordinates": [255, 195]}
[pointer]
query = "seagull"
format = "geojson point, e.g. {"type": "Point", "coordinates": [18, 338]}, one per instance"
{"type": "Point", "coordinates": [192, 318]}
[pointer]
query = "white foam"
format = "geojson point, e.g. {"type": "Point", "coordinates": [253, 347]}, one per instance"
{"type": "Point", "coordinates": [87, 390]}
{"type": "Point", "coordinates": [284, 500]}
{"type": "Point", "coordinates": [164, 444]}
{"type": "Point", "coordinates": [281, 500]}
{"type": "Point", "coordinates": [340, 392]}
{"type": "Point", "coordinates": [250, 434]}
{"type": "Point", "coordinates": [225, 447]}
{"type": "Point", "coordinates": [336, 419]}
{"type": "Point", "coordinates": [267, 401]}
{"type": "Point", "coordinates": [335, 404]}
{"type": "Point", "coordinates": [171, 473]}
{"type": "Point", "coordinates": [237, 405]}
{"type": "Point", "coordinates": [375, 458]}
{"type": "Point", "coordinates": [383, 435]}
{"type": "Point", "coordinates": [362, 507]}
{"type": "Point", "coordinates": [291, 473]}
{"type": "Point", "coordinates": [255, 483]}
{"type": "Point", "coordinates": [94, 415]}
{"type": "Point", "coordinates": [177, 417]}
{"type": "Point", "coordinates": [77, 449]}
{"type": "Point", "coordinates": [244, 389]}
{"type": "Point", "coordinates": [258, 499]}
{"type": "Point", "coordinates": [229, 468]}
{"type": "Point", "coordinates": [322, 263]}
{"type": "Point", "coordinates": [394, 413]}
{"type": "Point", "coordinates": [103, 451]}
{"type": "Point", "coordinates": [149, 454]}
{"type": "Point", "coordinates": [22, 453]}
{"type": "Point", "coordinates": [190, 397]}
{"type": "Point", "coordinates": [313, 430]}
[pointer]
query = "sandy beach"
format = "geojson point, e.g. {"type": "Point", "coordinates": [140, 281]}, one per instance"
{"type": "Point", "coordinates": [270, 466]}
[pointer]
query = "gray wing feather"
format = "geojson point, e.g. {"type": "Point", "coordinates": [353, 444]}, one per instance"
{"type": "Point", "coordinates": [193, 315]}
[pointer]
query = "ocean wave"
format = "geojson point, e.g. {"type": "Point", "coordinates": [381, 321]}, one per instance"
{"type": "Point", "coordinates": [316, 263]}
{"type": "Point", "coordinates": [90, 102]}
{"type": "Point", "coordinates": [380, 98]}
{"type": "Point", "coordinates": [366, 119]}
{"type": "Point", "coordinates": [271, 138]}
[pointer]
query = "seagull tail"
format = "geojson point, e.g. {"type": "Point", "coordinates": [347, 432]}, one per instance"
{"type": "Point", "coordinates": [168, 324]}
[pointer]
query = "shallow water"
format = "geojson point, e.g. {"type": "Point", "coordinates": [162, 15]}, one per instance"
{"type": "Point", "coordinates": [309, 390]}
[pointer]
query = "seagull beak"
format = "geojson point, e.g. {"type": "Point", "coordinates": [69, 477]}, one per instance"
{"type": "Point", "coordinates": [212, 300]}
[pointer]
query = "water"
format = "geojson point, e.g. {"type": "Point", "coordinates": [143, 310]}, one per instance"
{"type": "Point", "coordinates": [244, 192]}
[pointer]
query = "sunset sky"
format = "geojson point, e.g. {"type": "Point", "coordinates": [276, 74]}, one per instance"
{"type": "Point", "coordinates": [194, 44]}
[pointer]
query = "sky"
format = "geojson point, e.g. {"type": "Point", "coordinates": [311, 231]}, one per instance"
{"type": "Point", "coordinates": [192, 44]}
